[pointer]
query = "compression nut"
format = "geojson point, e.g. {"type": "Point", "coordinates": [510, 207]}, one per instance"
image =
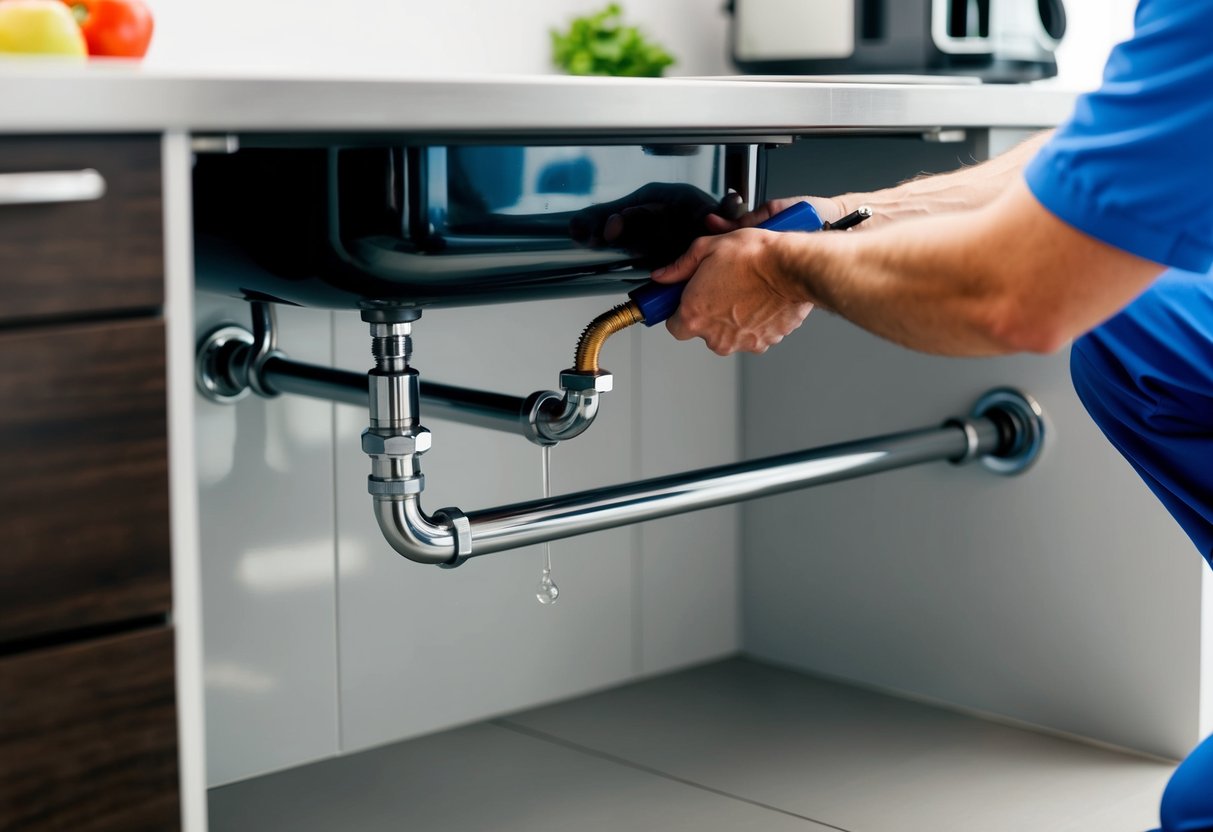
{"type": "Point", "coordinates": [396, 444]}
{"type": "Point", "coordinates": [578, 381]}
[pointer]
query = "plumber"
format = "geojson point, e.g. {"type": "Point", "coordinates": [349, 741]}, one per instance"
{"type": "Point", "coordinates": [1101, 231]}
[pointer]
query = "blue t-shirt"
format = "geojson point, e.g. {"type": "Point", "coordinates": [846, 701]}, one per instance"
{"type": "Point", "coordinates": [1134, 164]}
{"type": "Point", "coordinates": [1133, 167]}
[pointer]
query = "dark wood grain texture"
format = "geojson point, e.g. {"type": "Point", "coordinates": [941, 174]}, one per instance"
{"type": "Point", "coordinates": [88, 736]}
{"type": "Point", "coordinates": [69, 259]}
{"type": "Point", "coordinates": [84, 516]}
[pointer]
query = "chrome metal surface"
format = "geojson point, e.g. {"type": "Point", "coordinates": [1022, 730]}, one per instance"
{"type": "Point", "coordinates": [219, 366]}
{"type": "Point", "coordinates": [287, 376]}
{"type": "Point", "coordinates": [480, 408]}
{"type": "Point", "coordinates": [1005, 429]}
{"type": "Point", "coordinates": [227, 368]}
{"type": "Point", "coordinates": [556, 419]}
{"type": "Point", "coordinates": [264, 347]}
{"type": "Point", "coordinates": [51, 186]}
{"type": "Point", "coordinates": [411, 533]}
{"type": "Point", "coordinates": [522, 524]}
{"type": "Point", "coordinates": [79, 100]}
{"type": "Point", "coordinates": [971, 437]}
{"type": "Point", "coordinates": [1028, 428]}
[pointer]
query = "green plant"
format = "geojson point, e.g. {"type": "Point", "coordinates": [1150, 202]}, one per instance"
{"type": "Point", "coordinates": [600, 44]}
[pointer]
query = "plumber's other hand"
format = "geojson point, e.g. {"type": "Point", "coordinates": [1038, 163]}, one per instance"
{"type": "Point", "coordinates": [830, 209]}
{"type": "Point", "coordinates": [654, 223]}
{"type": "Point", "coordinates": [738, 298]}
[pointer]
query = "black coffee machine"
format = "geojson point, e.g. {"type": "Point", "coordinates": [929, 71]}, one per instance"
{"type": "Point", "coordinates": [996, 40]}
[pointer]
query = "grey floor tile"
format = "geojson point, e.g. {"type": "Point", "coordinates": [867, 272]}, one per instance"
{"type": "Point", "coordinates": [854, 758]}
{"type": "Point", "coordinates": [483, 777]}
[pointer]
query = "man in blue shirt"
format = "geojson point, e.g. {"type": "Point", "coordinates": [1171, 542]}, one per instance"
{"type": "Point", "coordinates": [1100, 231]}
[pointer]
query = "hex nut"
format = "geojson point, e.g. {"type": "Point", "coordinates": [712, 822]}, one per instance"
{"type": "Point", "coordinates": [396, 444]}
{"type": "Point", "coordinates": [579, 381]}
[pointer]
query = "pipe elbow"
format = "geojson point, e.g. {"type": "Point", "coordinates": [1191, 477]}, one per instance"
{"type": "Point", "coordinates": [554, 417]}
{"type": "Point", "coordinates": [422, 539]}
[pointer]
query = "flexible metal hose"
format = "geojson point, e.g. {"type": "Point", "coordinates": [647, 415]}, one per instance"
{"type": "Point", "coordinates": [600, 329]}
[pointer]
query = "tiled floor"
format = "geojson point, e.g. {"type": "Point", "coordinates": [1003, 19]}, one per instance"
{"type": "Point", "coordinates": [733, 745]}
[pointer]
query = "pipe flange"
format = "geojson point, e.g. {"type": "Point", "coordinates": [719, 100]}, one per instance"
{"type": "Point", "coordinates": [972, 440]}
{"type": "Point", "coordinates": [395, 488]}
{"type": "Point", "coordinates": [461, 531]}
{"type": "Point", "coordinates": [1027, 428]}
{"type": "Point", "coordinates": [218, 352]}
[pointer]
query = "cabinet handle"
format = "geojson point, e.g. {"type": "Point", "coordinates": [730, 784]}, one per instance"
{"type": "Point", "coordinates": [51, 186]}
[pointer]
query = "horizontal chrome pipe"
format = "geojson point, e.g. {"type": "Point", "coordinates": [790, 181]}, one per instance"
{"type": "Point", "coordinates": [233, 361]}
{"type": "Point", "coordinates": [282, 375]}
{"type": "Point", "coordinates": [481, 408]}
{"type": "Point", "coordinates": [444, 401]}
{"type": "Point", "coordinates": [1005, 432]}
{"type": "Point", "coordinates": [522, 524]}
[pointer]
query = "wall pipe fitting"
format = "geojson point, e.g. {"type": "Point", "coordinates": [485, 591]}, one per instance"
{"type": "Point", "coordinates": [232, 361]}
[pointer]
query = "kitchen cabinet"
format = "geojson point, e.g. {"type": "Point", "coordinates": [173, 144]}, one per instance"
{"type": "Point", "coordinates": [88, 732]}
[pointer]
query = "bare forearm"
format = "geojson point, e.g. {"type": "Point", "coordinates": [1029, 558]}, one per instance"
{"type": "Point", "coordinates": [1008, 277]}
{"type": "Point", "coordinates": [901, 282]}
{"type": "Point", "coordinates": [959, 190]}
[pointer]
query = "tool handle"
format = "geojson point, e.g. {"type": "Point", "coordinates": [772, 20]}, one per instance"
{"type": "Point", "coordinates": [658, 301]}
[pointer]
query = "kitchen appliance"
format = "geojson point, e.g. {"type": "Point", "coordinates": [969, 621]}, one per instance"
{"type": "Point", "coordinates": [996, 40]}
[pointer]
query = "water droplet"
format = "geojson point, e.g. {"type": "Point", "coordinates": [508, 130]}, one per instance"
{"type": "Point", "coordinates": [548, 591]}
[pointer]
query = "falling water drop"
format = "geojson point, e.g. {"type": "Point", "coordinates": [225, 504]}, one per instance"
{"type": "Point", "coordinates": [548, 591]}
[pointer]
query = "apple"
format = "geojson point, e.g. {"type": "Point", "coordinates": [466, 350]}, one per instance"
{"type": "Point", "coordinates": [44, 27]}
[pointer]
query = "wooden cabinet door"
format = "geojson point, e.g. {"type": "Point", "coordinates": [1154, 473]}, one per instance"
{"type": "Point", "coordinates": [88, 736]}
{"type": "Point", "coordinates": [84, 514]}
{"type": "Point", "coordinates": [64, 256]}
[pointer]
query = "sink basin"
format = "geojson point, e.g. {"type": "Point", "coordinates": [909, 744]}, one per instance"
{"type": "Point", "coordinates": [413, 226]}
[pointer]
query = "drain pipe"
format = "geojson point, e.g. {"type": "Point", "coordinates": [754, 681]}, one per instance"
{"type": "Point", "coordinates": [233, 361]}
{"type": "Point", "coordinates": [1005, 431]}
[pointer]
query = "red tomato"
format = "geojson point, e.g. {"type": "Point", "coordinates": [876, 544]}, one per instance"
{"type": "Point", "coordinates": [119, 28]}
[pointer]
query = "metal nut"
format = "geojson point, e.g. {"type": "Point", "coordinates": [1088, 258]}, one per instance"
{"type": "Point", "coordinates": [577, 380]}
{"type": "Point", "coordinates": [397, 444]}
{"type": "Point", "coordinates": [395, 488]}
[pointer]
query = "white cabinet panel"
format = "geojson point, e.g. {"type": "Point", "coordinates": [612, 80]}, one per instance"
{"type": "Point", "coordinates": [265, 471]}
{"type": "Point", "coordinates": [423, 647]}
{"type": "Point", "coordinates": [689, 418]}
{"type": "Point", "coordinates": [1065, 597]}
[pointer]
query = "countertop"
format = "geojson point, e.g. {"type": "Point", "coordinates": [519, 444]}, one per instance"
{"type": "Point", "coordinates": [54, 97]}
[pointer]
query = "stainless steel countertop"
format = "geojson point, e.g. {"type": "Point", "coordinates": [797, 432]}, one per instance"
{"type": "Point", "coordinates": [49, 97]}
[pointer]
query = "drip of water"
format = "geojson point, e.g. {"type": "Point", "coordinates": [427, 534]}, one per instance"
{"type": "Point", "coordinates": [548, 591]}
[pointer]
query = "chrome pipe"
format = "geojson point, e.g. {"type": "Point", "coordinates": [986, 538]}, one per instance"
{"type": "Point", "coordinates": [232, 361]}
{"type": "Point", "coordinates": [479, 408]}
{"type": "Point", "coordinates": [535, 521]}
{"type": "Point", "coordinates": [450, 537]}
{"type": "Point", "coordinates": [282, 375]}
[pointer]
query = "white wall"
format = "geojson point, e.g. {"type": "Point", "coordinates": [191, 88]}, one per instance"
{"type": "Point", "coordinates": [320, 640]}
{"type": "Point", "coordinates": [452, 37]}
{"type": "Point", "coordinates": [1066, 597]}
{"type": "Point", "coordinates": [1094, 27]}
{"type": "Point", "coordinates": [488, 36]}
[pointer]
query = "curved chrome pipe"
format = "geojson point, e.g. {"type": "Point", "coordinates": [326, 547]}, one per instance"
{"type": "Point", "coordinates": [999, 428]}
{"type": "Point", "coordinates": [411, 533]}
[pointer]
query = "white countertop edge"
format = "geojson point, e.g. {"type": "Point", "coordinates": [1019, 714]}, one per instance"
{"type": "Point", "coordinates": [57, 97]}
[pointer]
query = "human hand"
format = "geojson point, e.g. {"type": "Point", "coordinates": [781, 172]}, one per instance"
{"type": "Point", "coordinates": [739, 299]}
{"type": "Point", "coordinates": [655, 223]}
{"type": "Point", "coordinates": [830, 209]}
